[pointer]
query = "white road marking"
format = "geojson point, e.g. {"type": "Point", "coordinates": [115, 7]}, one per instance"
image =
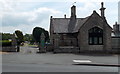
{"type": "Point", "coordinates": [82, 61]}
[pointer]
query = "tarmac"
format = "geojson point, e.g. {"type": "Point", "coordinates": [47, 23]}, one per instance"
{"type": "Point", "coordinates": [28, 55]}
{"type": "Point", "coordinates": [63, 58]}
{"type": "Point", "coordinates": [102, 62]}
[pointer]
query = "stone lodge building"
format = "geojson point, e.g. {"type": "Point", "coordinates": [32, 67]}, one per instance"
{"type": "Point", "coordinates": [73, 34]}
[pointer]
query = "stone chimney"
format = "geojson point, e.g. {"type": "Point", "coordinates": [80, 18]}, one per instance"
{"type": "Point", "coordinates": [72, 21]}
{"type": "Point", "coordinates": [73, 11]}
{"type": "Point", "coordinates": [102, 9]}
{"type": "Point", "coordinates": [116, 27]}
{"type": "Point", "coordinates": [65, 16]}
{"type": "Point", "coordinates": [51, 17]}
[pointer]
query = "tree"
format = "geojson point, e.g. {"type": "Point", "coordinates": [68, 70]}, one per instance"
{"type": "Point", "coordinates": [46, 36]}
{"type": "Point", "coordinates": [37, 31]}
{"type": "Point", "coordinates": [6, 36]}
{"type": "Point", "coordinates": [20, 37]}
{"type": "Point", "coordinates": [29, 38]}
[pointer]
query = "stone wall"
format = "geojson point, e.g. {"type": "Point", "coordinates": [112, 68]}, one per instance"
{"type": "Point", "coordinates": [13, 47]}
{"type": "Point", "coordinates": [49, 48]}
{"type": "Point", "coordinates": [67, 49]}
{"type": "Point", "coordinates": [94, 21]}
{"type": "Point", "coordinates": [9, 49]}
{"type": "Point", "coordinates": [96, 47]}
{"type": "Point", "coordinates": [115, 44]}
{"type": "Point", "coordinates": [68, 42]}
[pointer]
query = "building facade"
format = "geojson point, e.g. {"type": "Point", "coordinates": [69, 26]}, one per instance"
{"type": "Point", "coordinates": [91, 33]}
{"type": "Point", "coordinates": [116, 38]}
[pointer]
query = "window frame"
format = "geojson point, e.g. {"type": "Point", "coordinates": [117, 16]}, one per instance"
{"type": "Point", "coordinates": [94, 36]}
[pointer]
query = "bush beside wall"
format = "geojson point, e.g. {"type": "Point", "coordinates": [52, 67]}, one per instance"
{"type": "Point", "coordinates": [6, 43]}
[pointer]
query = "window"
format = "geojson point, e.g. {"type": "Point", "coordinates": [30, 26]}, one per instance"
{"type": "Point", "coordinates": [95, 36]}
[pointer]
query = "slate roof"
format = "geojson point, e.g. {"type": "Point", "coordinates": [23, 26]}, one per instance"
{"type": "Point", "coordinates": [79, 23]}
{"type": "Point", "coordinates": [61, 25]}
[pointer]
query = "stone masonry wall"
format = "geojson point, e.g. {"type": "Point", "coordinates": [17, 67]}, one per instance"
{"type": "Point", "coordinates": [94, 21]}
{"type": "Point", "coordinates": [116, 44]}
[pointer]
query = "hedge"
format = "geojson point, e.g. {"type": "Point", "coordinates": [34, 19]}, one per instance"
{"type": "Point", "coordinates": [6, 43]}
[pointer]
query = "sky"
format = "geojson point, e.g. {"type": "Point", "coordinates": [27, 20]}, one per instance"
{"type": "Point", "coordinates": [24, 15]}
{"type": "Point", "coordinates": [119, 12]}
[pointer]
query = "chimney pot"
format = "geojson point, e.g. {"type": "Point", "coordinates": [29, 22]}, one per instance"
{"type": "Point", "coordinates": [65, 16]}
{"type": "Point", "coordinates": [51, 17]}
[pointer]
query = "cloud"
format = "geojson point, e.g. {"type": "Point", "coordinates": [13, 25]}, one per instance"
{"type": "Point", "coordinates": [62, 0]}
{"type": "Point", "coordinates": [21, 20]}
{"type": "Point", "coordinates": [22, 27]}
{"type": "Point", "coordinates": [6, 5]}
{"type": "Point", "coordinates": [15, 16]}
{"type": "Point", "coordinates": [11, 18]}
{"type": "Point", "coordinates": [111, 12]}
{"type": "Point", "coordinates": [87, 8]}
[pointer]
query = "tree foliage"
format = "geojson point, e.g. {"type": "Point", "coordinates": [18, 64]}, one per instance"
{"type": "Point", "coordinates": [19, 35]}
{"type": "Point", "coordinates": [6, 36]}
{"type": "Point", "coordinates": [6, 43]}
{"type": "Point", "coordinates": [37, 31]}
{"type": "Point", "coordinates": [46, 36]}
{"type": "Point", "coordinates": [29, 38]}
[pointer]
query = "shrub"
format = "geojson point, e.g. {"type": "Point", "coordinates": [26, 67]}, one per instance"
{"type": "Point", "coordinates": [6, 43]}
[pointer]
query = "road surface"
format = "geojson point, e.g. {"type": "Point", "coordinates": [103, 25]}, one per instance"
{"type": "Point", "coordinates": [27, 60]}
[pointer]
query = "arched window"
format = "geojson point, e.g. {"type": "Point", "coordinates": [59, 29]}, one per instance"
{"type": "Point", "coordinates": [95, 36]}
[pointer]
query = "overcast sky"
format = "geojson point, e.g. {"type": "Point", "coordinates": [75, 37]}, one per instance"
{"type": "Point", "coordinates": [24, 15]}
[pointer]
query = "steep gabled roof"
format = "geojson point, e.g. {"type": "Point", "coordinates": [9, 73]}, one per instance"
{"type": "Point", "coordinates": [80, 22]}
{"type": "Point", "coordinates": [60, 25]}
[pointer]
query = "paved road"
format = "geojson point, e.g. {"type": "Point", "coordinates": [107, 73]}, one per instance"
{"type": "Point", "coordinates": [28, 61]}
